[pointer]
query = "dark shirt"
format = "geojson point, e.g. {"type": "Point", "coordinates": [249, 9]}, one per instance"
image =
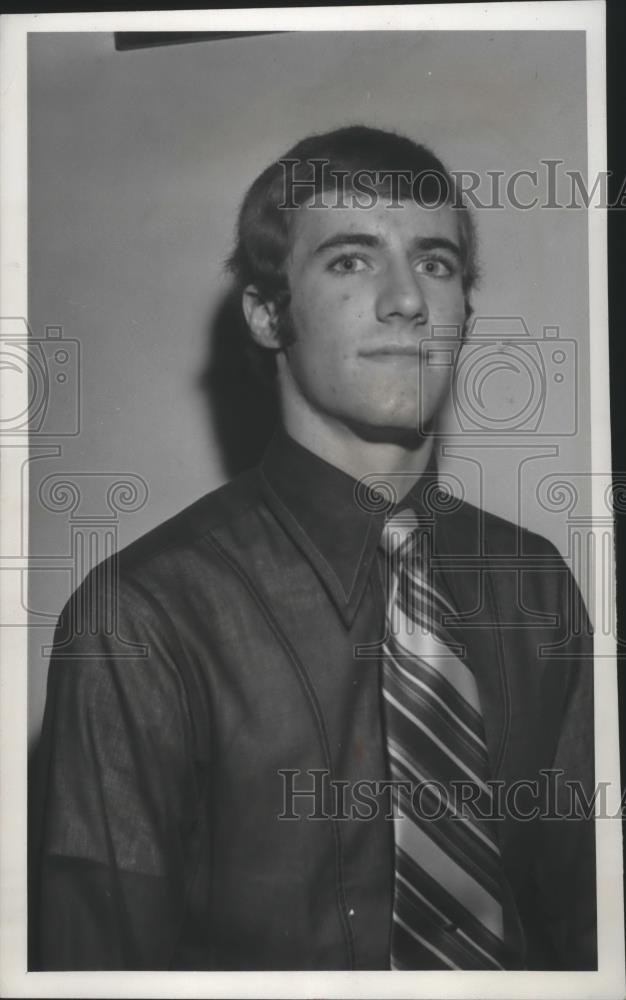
{"type": "Point", "coordinates": [228, 656]}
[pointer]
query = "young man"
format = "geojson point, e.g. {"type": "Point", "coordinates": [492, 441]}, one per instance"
{"type": "Point", "coordinates": [232, 699]}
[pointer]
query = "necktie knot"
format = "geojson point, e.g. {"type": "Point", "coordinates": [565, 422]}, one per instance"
{"type": "Point", "coordinates": [399, 531]}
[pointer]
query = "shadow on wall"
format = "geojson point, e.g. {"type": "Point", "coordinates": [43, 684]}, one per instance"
{"type": "Point", "coordinates": [238, 387]}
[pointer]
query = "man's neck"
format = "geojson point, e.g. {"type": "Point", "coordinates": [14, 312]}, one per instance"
{"type": "Point", "coordinates": [402, 458]}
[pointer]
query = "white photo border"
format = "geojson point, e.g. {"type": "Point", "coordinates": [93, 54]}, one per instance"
{"type": "Point", "coordinates": [608, 982]}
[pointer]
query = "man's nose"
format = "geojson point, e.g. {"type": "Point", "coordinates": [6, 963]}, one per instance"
{"type": "Point", "coordinates": [401, 295]}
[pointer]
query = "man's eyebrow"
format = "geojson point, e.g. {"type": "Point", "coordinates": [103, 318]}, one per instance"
{"type": "Point", "coordinates": [420, 243]}
{"type": "Point", "coordinates": [437, 243]}
{"type": "Point", "coordinates": [349, 239]}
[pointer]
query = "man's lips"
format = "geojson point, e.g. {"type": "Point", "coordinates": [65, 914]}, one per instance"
{"type": "Point", "coordinates": [393, 351]}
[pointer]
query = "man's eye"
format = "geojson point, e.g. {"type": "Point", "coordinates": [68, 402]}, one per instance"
{"type": "Point", "coordinates": [347, 264]}
{"type": "Point", "coordinates": [436, 267]}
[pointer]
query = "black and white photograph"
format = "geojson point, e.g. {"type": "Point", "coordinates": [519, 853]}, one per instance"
{"type": "Point", "coordinates": [309, 680]}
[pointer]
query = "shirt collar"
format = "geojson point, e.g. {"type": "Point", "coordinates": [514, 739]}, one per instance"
{"type": "Point", "coordinates": [335, 520]}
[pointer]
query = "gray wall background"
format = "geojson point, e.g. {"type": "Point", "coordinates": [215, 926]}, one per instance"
{"type": "Point", "coordinates": [137, 163]}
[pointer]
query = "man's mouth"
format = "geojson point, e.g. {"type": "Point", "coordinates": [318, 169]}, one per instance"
{"type": "Point", "coordinates": [393, 351]}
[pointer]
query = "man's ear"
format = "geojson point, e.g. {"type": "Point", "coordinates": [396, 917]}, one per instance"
{"type": "Point", "coordinates": [261, 318]}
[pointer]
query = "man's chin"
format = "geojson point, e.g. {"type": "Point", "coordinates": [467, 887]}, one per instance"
{"type": "Point", "coordinates": [406, 435]}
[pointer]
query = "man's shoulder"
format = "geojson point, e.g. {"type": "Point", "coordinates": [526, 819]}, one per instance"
{"type": "Point", "coordinates": [170, 554]}
{"type": "Point", "coordinates": [499, 534]}
{"type": "Point", "coordinates": [141, 591]}
{"type": "Point", "coordinates": [220, 506]}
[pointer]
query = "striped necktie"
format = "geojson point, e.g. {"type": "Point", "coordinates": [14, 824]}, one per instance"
{"type": "Point", "coordinates": [447, 911]}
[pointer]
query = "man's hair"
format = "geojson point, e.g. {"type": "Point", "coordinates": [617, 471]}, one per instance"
{"type": "Point", "coordinates": [263, 229]}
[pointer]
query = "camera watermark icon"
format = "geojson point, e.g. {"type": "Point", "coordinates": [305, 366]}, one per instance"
{"type": "Point", "coordinates": [505, 381]}
{"type": "Point", "coordinates": [48, 369]}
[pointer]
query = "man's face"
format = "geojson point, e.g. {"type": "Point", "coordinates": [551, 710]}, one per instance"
{"type": "Point", "coordinates": [367, 288]}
